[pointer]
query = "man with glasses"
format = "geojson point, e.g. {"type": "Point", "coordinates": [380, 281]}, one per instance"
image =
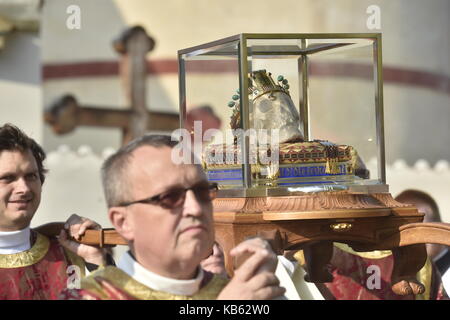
{"type": "Point", "coordinates": [164, 211]}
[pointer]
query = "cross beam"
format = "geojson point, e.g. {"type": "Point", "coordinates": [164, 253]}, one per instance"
{"type": "Point", "coordinates": [66, 113]}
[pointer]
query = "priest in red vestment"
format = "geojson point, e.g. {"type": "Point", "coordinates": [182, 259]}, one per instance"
{"type": "Point", "coordinates": [33, 265]}
{"type": "Point", "coordinates": [356, 276]}
{"type": "Point", "coordinates": [367, 276]}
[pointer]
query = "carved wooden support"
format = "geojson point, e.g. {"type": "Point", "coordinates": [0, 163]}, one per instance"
{"type": "Point", "coordinates": [313, 221]}
{"type": "Point", "coordinates": [408, 260]}
{"type": "Point", "coordinates": [317, 256]}
{"type": "Point", "coordinates": [387, 225]}
{"type": "Point", "coordinates": [303, 204]}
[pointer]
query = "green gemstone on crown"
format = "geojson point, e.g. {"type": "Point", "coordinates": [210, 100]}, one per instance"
{"type": "Point", "coordinates": [280, 78]}
{"type": "Point", "coordinates": [231, 104]}
{"type": "Point", "coordinates": [235, 97]}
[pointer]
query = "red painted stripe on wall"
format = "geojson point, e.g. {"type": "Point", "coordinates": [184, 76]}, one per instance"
{"type": "Point", "coordinates": [408, 77]}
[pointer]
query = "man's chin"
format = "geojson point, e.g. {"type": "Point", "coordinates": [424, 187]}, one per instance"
{"type": "Point", "coordinates": [196, 249]}
{"type": "Point", "coordinates": [22, 218]}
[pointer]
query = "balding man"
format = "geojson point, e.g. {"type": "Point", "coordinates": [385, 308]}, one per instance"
{"type": "Point", "coordinates": [164, 211]}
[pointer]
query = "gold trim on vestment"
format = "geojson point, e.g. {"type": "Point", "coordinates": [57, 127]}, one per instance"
{"type": "Point", "coordinates": [377, 254]}
{"type": "Point", "coordinates": [28, 257]}
{"type": "Point", "coordinates": [299, 256]}
{"type": "Point", "coordinates": [74, 259]}
{"type": "Point", "coordinates": [122, 280]}
{"type": "Point", "coordinates": [424, 276]}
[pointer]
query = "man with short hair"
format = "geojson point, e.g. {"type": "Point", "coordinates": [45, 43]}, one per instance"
{"type": "Point", "coordinates": [164, 211]}
{"type": "Point", "coordinates": [32, 265]}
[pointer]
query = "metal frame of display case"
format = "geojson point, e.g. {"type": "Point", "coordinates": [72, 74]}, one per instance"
{"type": "Point", "coordinates": [242, 52]}
{"type": "Point", "coordinates": [366, 217]}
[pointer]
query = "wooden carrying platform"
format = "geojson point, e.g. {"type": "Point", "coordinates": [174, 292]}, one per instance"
{"type": "Point", "coordinates": [312, 222]}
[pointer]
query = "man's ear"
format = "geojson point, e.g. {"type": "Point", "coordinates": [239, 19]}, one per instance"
{"type": "Point", "coordinates": [121, 221]}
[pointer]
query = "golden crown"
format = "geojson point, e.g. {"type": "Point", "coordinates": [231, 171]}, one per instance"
{"type": "Point", "coordinates": [260, 83]}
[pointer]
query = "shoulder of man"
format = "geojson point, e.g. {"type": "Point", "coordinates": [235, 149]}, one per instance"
{"type": "Point", "coordinates": [211, 286]}
{"type": "Point", "coordinates": [50, 233]}
{"type": "Point", "coordinates": [100, 285]}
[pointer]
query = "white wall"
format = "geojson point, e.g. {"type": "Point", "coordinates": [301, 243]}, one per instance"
{"type": "Point", "coordinates": [100, 21]}
{"type": "Point", "coordinates": [20, 83]}
{"type": "Point", "coordinates": [432, 179]}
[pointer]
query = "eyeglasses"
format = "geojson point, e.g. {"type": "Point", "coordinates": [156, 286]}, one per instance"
{"type": "Point", "coordinates": [175, 197]}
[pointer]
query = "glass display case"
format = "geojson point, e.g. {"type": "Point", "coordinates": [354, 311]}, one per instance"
{"type": "Point", "coordinates": [276, 114]}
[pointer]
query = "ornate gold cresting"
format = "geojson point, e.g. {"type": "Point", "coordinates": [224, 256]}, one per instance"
{"type": "Point", "coordinates": [260, 83]}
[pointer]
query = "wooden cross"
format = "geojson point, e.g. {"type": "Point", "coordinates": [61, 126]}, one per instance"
{"type": "Point", "coordinates": [133, 45]}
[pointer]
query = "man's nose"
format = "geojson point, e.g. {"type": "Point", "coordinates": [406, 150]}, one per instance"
{"type": "Point", "coordinates": [192, 206]}
{"type": "Point", "coordinates": [21, 186]}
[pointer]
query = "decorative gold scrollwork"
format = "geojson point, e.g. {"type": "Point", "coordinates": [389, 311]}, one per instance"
{"type": "Point", "coordinates": [341, 227]}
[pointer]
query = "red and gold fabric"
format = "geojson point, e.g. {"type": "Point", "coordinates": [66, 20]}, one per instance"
{"type": "Point", "coordinates": [351, 275]}
{"type": "Point", "coordinates": [39, 273]}
{"type": "Point", "coordinates": [111, 283]}
{"type": "Point", "coordinates": [298, 162]}
{"type": "Point", "coordinates": [289, 153]}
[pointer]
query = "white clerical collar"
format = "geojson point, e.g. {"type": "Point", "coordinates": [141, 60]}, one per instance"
{"type": "Point", "coordinates": [157, 282]}
{"type": "Point", "coordinates": [15, 241]}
